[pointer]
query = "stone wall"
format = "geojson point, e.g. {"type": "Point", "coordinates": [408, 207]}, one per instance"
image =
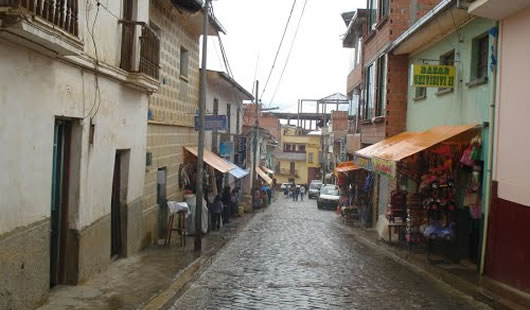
{"type": "Point", "coordinates": [25, 266]}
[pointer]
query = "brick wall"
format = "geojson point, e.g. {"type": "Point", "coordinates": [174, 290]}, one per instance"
{"type": "Point", "coordinates": [266, 120]}
{"type": "Point", "coordinates": [339, 121]}
{"type": "Point", "coordinates": [404, 13]}
{"type": "Point", "coordinates": [396, 97]}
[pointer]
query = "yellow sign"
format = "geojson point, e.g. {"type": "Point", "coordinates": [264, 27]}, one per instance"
{"type": "Point", "coordinates": [384, 167]}
{"type": "Point", "coordinates": [434, 76]}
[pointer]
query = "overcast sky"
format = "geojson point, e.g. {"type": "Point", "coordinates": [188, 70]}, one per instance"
{"type": "Point", "coordinates": [318, 65]}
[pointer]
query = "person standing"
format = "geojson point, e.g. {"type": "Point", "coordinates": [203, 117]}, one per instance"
{"type": "Point", "coordinates": [297, 192]}
{"type": "Point", "coordinates": [227, 202]}
{"type": "Point", "coordinates": [302, 192]}
{"type": "Point", "coordinates": [217, 209]}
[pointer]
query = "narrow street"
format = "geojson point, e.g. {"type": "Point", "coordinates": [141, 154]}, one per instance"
{"type": "Point", "coordinates": [295, 256]}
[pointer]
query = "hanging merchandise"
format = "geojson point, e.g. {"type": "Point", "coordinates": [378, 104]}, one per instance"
{"type": "Point", "coordinates": [398, 206]}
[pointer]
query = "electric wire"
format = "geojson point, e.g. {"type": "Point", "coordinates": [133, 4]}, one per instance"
{"type": "Point", "coordinates": [278, 50]}
{"type": "Point", "coordinates": [289, 53]}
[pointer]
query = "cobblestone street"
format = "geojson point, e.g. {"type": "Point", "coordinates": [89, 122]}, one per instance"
{"type": "Point", "coordinates": [295, 256]}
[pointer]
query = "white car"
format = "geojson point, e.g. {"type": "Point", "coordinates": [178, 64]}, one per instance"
{"type": "Point", "coordinates": [329, 197]}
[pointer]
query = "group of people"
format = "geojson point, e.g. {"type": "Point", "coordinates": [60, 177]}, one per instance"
{"type": "Point", "coordinates": [224, 207]}
{"type": "Point", "coordinates": [262, 195]}
{"type": "Point", "coordinates": [295, 192]}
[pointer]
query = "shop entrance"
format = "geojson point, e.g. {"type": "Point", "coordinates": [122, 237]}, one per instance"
{"type": "Point", "coordinates": [59, 204]}
{"type": "Point", "coordinates": [161, 200]}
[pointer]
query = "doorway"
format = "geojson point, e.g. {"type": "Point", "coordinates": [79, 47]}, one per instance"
{"type": "Point", "coordinates": [59, 204]}
{"type": "Point", "coordinates": [161, 200]}
{"type": "Point", "coordinates": [115, 214]}
{"type": "Point", "coordinates": [118, 208]}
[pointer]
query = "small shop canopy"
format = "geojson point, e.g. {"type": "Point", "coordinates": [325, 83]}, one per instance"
{"type": "Point", "coordinates": [422, 141]}
{"type": "Point", "coordinates": [263, 175]}
{"type": "Point", "coordinates": [237, 172]}
{"type": "Point", "coordinates": [346, 167]}
{"type": "Point", "coordinates": [267, 170]}
{"type": "Point", "coordinates": [374, 149]}
{"type": "Point", "coordinates": [384, 161]}
{"type": "Point", "coordinates": [211, 159]}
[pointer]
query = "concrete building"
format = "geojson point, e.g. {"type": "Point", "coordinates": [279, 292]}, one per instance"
{"type": "Point", "coordinates": [172, 109]}
{"type": "Point", "coordinates": [466, 44]}
{"type": "Point", "coordinates": [225, 97]}
{"type": "Point", "coordinates": [73, 156]}
{"type": "Point", "coordinates": [298, 158]}
{"type": "Point", "coordinates": [508, 246]}
{"type": "Point", "coordinates": [377, 80]}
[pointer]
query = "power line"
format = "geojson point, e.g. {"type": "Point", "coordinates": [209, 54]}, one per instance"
{"type": "Point", "coordinates": [289, 53]}
{"type": "Point", "coordinates": [279, 48]}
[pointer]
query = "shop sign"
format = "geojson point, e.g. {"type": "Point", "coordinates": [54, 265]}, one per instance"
{"type": "Point", "coordinates": [343, 157]}
{"type": "Point", "coordinates": [226, 149]}
{"type": "Point", "coordinates": [212, 122]}
{"type": "Point", "coordinates": [362, 162]}
{"type": "Point", "coordinates": [433, 76]}
{"type": "Point", "coordinates": [241, 154]}
{"type": "Point", "coordinates": [385, 167]}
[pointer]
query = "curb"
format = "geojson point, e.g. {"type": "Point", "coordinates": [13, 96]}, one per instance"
{"type": "Point", "coordinates": [182, 278]}
{"type": "Point", "coordinates": [450, 281]}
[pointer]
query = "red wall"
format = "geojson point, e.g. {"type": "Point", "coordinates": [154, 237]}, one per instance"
{"type": "Point", "coordinates": [508, 253]}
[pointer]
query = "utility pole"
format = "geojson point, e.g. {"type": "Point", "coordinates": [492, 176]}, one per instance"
{"type": "Point", "coordinates": [255, 147]}
{"type": "Point", "coordinates": [200, 152]}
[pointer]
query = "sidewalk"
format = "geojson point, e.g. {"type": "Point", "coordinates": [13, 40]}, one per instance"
{"type": "Point", "coordinates": [461, 277]}
{"type": "Point", "coordinates": [146, 280]}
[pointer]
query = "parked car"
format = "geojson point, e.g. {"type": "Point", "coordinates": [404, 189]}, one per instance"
{"type": "Point", "coordinates": [314, 189]}
{"type": "Point", "coordinates": [329, 197]}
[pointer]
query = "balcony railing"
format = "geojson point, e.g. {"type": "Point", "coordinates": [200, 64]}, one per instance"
{"type": "Point", "coordinates": [149, 49]}
{"type": "Point", "coordinates": [61, 13]}
{"type": "Point", "coordinates": [288, 172]}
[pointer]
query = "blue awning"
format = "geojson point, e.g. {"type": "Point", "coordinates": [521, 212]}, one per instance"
{"type": "Point", "coordinates": [237, 172]}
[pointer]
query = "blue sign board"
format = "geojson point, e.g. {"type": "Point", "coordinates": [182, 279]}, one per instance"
{"type": "Point", "coordinates": [212, 122]}
{"type": "Point", "coordinates": [226, 149]}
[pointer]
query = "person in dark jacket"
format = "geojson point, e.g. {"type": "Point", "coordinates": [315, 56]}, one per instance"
{"type": "Point", "coordinates": [227, 202]}
{"type": "Point", "coordinates": [217, 209]}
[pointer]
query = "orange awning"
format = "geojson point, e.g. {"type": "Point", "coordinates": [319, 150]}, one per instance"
{"type": "Point", "coordinates": [263, 175]}
{"type": "Point", "coordinates": [422, 141]}
{"type": "Point", "coordinates": [267, 170]}
{"type": "Point", "coordinates": [346, 167]}
{"type": "Point", "coordinates": [375, 149]}
{"type": "Point", "coordinates": [211, 159]}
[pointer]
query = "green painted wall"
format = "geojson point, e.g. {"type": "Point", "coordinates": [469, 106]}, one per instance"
{"type": "Point", "coordinates": [465, 104]}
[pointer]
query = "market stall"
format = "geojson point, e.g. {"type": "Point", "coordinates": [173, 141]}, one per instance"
{"type": "Point", "coordinates": [438, 197]}
{"type": "Point", "coordinates": [214, 166]}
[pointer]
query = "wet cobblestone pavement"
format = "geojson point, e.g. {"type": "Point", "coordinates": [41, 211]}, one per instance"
{"type": "Point", "coordinates": [295, 256]}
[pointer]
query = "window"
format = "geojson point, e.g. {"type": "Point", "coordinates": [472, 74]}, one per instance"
{"type": "Point", "coordinates": [183, 62]}
{"type": "Point", "coordinates": [449, 60]}
{"type": "Point", "coordinates": [421, 93]}
{"type": "Point", "coordinates": [301, 148]}
{"type": "Point", "coordinates": [359, 50]}
{"type": "Point", "coordinates": [310, 157]}
{"type": "Point", "coordinates": [480, 58]}
{"type": "Point", "coordinates": [383, 9]}
{"type": "Point", "coordinates": [372, 14]}
{"type": "Point", "coordinates": [228, 114]}
{"type": "Point", "coordinates": [381, 87]}
{"type": "Point", "coordinates": [369, 100]}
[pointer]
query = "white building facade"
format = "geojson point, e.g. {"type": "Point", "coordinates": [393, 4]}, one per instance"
{"type": "Point", "coordinates": [75, 82]}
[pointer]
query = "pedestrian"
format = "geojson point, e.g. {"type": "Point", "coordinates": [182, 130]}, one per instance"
{"type": "Point", "coordinates": [227, 202]}
{"type": "Point", "coordinates": [302, 192]}
{"type": "Point", "coordinates": [297, 192]}
{"type": "Point", "coordinates": [217, 209]}
{"type": "Point", "coordinates": [293, 192]}
{"type": "Point", "coordinates": [235, 200]}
